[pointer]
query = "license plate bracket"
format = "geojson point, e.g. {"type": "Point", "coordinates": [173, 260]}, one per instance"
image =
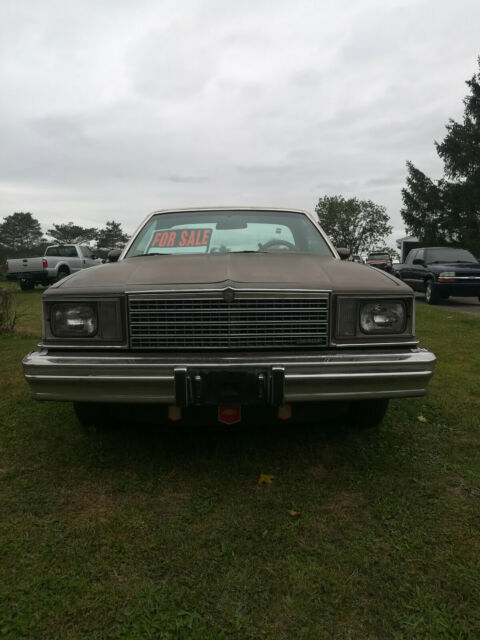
{"type": "Point", "coordinates": [230, 386]}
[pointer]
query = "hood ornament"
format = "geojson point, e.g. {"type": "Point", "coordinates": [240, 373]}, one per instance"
{"type": "Point", "coordinates": [228, 294]}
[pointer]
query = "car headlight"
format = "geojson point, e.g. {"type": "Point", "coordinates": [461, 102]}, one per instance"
{"type": "Point", "coordinates": [382, 316]}
{"type": "Point", "coordinates": [73, 320]}
{"type": "Point", "coordinates": [446, 276]}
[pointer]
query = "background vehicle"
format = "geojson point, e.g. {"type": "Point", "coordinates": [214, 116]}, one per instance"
{"type": "Point", "coordinates": [380, 260]}
{"type": "Point", "coordinates": [59, 261]}
{"type": "Point", "coordinates": [441, 272]}
{"type": "Point", "coordinates": [356, 258]}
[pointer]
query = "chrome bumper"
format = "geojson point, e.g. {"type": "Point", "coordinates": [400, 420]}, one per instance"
{"type": "Point", "coordinates": [150, 378]}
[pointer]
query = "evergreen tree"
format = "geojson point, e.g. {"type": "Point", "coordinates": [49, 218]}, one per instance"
{"type": "Point", "coordinates": [449, 210]}
{"type": "Point", "coordinates": [111, 237]}
{"type": "Point", "coordinates": [71, 233]}
{"type": "Point", "coordinates": [20, 231]}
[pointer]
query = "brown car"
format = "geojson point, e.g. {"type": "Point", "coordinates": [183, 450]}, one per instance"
{"type": "Point", "coordinates": [228, 314]}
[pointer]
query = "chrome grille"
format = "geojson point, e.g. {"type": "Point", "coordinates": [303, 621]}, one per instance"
{"type": "Point", "coordinates": [210, 322]}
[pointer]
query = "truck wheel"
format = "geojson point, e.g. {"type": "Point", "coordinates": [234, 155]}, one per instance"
{"type": "Point", "coordinates": [431, 293]}
{"type": "Point", "coordinates": [367, 413]}
{"type": "Point", "coordinates": [92, 415]}
{"type": "Point", "coordinates": [26, 285]}
{"type": "Point", "coordinates": [63, 272]}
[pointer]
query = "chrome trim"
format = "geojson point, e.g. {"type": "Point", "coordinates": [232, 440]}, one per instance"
{"type": "Point", "coordinates": [225, 284]}
{"type": "Point", "coordinates": [453, 279]}
{"type": "Point", "coordinates": [149, 378]}
{"type": "Point", "coordinates": [398, 343]}
{"type": "Point", "coordinates": [260, 319]}
{"type": "Point", "coordinates": [82, 347]}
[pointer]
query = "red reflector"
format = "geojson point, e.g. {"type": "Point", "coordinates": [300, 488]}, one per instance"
{"type": "Point", "coordinates": [285, 412]}
{"type": "Point", "coordinates": [45, 264]}
{"type": "Point", "coordinates": [174, 413]}
{"type": "Point", "coordinates": [230, 415]}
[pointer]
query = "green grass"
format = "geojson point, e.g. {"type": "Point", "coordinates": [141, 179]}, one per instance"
{"type": "Point", "coordinates": [157, 533]}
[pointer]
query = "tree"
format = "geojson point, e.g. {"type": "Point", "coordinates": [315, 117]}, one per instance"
{"type": "Point", "coordinates": [110, 237]}
{"type": "Point", "coordinates": [424, 212]}
{"type": "Point", "coordinates": [71, 233]}
{"type": "Point", "coordinates": [20, 232]}
{"type": "Point", "coordinates": [355, 224]}
{"type": "Point", "coordinates": [448, 210]}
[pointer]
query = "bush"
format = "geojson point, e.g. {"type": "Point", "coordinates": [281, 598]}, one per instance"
{"type": "Point", "coordinates": [8, 312]}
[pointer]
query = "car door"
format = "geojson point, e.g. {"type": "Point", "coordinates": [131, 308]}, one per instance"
{"type": "Point", "coordinates": [87, 257]}
{"type": "Point", "coordinates": [72, 256]}
{"type": "Point", "coordinates": [406, 271]}
{"type": "Point", "coordinates": [418, 271]}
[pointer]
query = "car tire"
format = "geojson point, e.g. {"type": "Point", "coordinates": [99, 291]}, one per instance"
{"type": "Point", "coordinates": [93, 415]}
{"type": "Point", "coordinates": [26, 285]}
{"type": "Point", "coordinates": [63, 272]}
{"type": "Point", "coordinates": [432, 295]}
{"type": "Point", "coordinates": [367, 413]}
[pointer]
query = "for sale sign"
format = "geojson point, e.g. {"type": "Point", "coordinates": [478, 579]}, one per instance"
{"type": "Point", "coordinates": [181, 238]}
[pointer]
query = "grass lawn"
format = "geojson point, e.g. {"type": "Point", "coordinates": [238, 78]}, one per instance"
{"type": "Point", "coordinates": [165, 534]}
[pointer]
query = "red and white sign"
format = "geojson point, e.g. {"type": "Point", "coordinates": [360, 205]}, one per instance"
{"type": "Point", "coordinates": [181, 238]}
{"type": "Point", "coordinates": [230, 414]}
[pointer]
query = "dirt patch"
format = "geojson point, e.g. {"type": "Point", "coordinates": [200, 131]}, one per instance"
{"type": "Point", "coordinates": [319, 470]}
{"type": "Point", "coordinates": [90, 503]}
{"type": "Point", "coordinates": [456, 491]}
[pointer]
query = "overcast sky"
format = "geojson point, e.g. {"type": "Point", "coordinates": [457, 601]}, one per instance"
{"type": "Point", "coordinates": [109, 110]}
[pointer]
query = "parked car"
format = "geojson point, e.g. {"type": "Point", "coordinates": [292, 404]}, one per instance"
{"type": "Point", "coordinates": [441, 272]}
{"type": "Point", "coordinates": [356, 258]}
{"type": "Point", "coordinates": [380, 260]}
{"type": "Point", "coordinates": [228, 314]}
{"type": "Point", "coordinates": [60, 260]}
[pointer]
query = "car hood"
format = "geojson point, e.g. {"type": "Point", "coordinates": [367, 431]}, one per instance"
{"type": "Point", "coordinates": [464, 268]}
{"type": "Point", "coordinates": [257, 270]}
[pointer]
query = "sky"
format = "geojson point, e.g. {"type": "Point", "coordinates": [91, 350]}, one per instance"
{"type": "Point", "coordinates": [112, 109]}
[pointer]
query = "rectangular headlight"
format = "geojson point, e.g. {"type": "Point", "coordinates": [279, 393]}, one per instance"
{"type": "Point", "coordinates": [382, 316]}
{"type": "Point", "coordinates": [73, 320]}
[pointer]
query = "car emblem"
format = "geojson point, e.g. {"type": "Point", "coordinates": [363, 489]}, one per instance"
{"type": "Point", "coordinates": [228, 295]}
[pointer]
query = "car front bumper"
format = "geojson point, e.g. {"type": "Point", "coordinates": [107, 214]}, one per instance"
{"type": "Point", "coordinates": [154, 378]}
{"type": "Point", "coordinates": [460, 289]}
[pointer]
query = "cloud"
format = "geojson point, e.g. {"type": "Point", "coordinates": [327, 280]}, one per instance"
{"type": "Point", "coordinates": [110, 110]}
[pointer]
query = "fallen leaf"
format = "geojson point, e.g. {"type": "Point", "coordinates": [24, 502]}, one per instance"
{"type": "Point", "coordinates": [421, 419]}
{"type": "Point", "coordinates": [264, 533]}
{"type": "Point", "coordinates": [294, 513]}
{"type": "Point", "coordinates": [265, 479]}
{"type": "Point", "coordinates": [461, 358]}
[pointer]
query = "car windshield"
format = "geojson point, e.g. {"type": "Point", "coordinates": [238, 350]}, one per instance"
{"type": "Point", "coordinates": [447, 254]}
{"type": "Point", "coordinates": [379, 256]}
{"type": "Point", "coordinates": [187, 232]}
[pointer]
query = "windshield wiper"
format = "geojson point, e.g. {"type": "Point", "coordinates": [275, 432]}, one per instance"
{"type": "Point", "coordinates": [144, 255]}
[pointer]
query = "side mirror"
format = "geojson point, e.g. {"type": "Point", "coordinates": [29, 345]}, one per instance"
{"type": "Point", "coordinates": [418, 261]}
{"type": "Point", "coordinates": [343, 253]}
{"type": "Point", "coordinates": [94, 257]}
{"type": "Point", "coordinates": [113, 255]}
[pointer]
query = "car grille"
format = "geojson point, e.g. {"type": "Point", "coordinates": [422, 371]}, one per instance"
{"type": "Point", "coordinates": [210, 322]}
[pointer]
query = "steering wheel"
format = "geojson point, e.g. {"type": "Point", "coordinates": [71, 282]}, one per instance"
{"type": "Point", "coordinates": [282, 243]}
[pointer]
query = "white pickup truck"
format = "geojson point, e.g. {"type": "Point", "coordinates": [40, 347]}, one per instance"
{"type": "Point", "coordinates": [60, 260]}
